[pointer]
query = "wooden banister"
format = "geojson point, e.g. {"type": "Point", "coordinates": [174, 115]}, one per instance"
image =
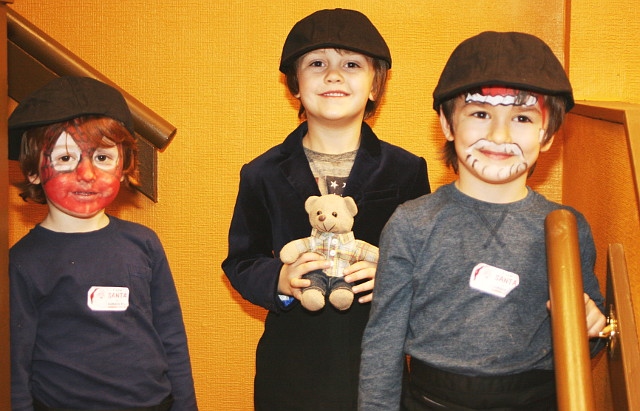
{"type": "Point", "coordinates": [61, 61]}
{"type": "Point", "coordinates": [570, 343]}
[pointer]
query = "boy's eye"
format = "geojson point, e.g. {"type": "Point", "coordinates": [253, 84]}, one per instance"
{"type": "Point", "coordinates": [64, 159]}
{"type": "Point", "coordinates": [106, 159]}
{"type": "Point", "coordinates": [316, 63]}
{"type": "Point", "coordinates": [353, 64]}
{"type": "Point", "coordinates": [480, 114]}
{"type": "Point", "coordinates": [102, 158]}
{"type": "Point", "coordinates": [523, 119]}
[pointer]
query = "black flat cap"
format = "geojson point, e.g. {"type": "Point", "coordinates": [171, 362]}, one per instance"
{"type": "Point", "coordinates": [337, 28]}
{"type": "Point", "coordinates": [62, 99]}
{"type": "Point", "coordinates": [516, 60]}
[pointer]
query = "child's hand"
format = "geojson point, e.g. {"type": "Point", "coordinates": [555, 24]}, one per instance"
{"type": "Point", "coordinates": [290, 282]}
{"type": "Point", "coordinates": [362, 270]}
{"type": "Point", "coordinates": [595, 319]}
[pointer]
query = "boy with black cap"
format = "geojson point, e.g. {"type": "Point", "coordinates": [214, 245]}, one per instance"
{"type": "Point", "coordinates": [95, 317]}
{"type": "Point", "coordinates": [462, 278]}
{"type": "Point", "coordinates": [335, 63]}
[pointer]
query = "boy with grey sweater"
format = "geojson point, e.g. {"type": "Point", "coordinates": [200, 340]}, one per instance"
{"type": "Point", "coordinates": [462, 285]}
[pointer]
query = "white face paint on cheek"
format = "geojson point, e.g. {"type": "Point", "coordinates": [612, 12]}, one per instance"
{"type": "Point", "coordinates": [509, 160]}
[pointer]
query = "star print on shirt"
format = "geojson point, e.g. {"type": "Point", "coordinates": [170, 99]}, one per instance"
{"type": "Point", "coordinates": [336, 185]}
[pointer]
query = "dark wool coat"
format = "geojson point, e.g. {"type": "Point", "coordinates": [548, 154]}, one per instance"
{"type": "Point", "coordinates": [309, 360]}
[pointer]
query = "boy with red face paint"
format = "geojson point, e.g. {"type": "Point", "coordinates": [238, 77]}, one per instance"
{"type": "Point", "coordinates": [95, 318]}
{"type": "Point", "coordinates": [462, 283]}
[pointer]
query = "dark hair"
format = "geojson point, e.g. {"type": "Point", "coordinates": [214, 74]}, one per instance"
{"type": "Point", "coordinates": [555, 106]}
{"type": "Point", "coordinates": [380, 66]}
{"type": "Point", "coordinates": [36, 139]}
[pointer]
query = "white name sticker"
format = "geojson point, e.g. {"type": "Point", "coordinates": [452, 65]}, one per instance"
{"type": "Point", "coordinates": [108, 298]}
{"type": "Point", "coordinates": [493, 280]}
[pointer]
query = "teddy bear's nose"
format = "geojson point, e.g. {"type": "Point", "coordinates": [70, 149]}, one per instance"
{"type": "Point", "coordinates": [322, 218]}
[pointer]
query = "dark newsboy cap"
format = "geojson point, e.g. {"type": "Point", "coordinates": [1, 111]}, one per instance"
{"type": "Point", "coordinates": [62, 99]}
{"type": "Point", "coordinates": [337, 28]}
{"type": "Point", "coordinates": [516, 60]}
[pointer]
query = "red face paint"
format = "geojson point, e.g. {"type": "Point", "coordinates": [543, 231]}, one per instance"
{"type": "Point", "coordinates": [80, 177]}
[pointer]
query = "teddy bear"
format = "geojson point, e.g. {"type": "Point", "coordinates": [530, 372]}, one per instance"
{"type": "Point", "coordinates": [331, 217]}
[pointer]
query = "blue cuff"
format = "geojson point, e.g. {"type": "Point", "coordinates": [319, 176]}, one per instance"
{"type": "Point", "coordinates": [286, 300]}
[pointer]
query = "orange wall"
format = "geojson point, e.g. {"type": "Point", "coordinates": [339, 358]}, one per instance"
{"type": "Point", "coordinates": [604, 49]}
{"type": "Point", "coordinates": [210, 68]}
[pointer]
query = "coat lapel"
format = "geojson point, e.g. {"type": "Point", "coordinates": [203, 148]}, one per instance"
{"type": "Point", "coordinates": [295, 166]}
{"type": "Point", "coordinates": [366, 163]}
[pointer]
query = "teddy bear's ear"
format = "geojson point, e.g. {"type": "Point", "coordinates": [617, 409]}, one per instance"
{"type": "Point", "coordinates": [351, 205]}
{"type": "Point", "coordinates": [308, 205]}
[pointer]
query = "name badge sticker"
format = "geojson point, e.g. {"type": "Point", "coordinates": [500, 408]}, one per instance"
{"type": "Point", "coordinates": [493, 280]}
{"type": "Point", "coordinates": [101, 298]}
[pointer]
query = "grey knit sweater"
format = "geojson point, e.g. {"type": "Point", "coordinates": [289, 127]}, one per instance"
{"type": "Point", "coordinates": [424, 304]}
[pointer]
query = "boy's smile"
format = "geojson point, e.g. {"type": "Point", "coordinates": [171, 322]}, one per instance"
{"type": "Point", "coordinates": [80, 178]}
{"type": "Point", "coordinates": [335, 84]}
{"type": "Point", "coordinates": [508, 159]}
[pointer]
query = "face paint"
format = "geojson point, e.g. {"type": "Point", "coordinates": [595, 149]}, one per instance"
{"type": "Point", "coordinates": [498, 135]}
{"type": "Point", "coordinates": [80, 177]}
{"type": "Point", "coordinates": [504, 96]}
{"type": "Point", "coordinates": [495, 172]}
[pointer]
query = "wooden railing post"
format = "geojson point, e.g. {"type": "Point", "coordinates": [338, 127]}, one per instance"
{"type": "Point", "coordinates": [568, 321]}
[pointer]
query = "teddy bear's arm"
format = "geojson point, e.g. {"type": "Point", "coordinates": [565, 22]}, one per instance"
{"type": "Point", "coordinates": [366, 252]}
{"type": "Point", "coordinates": [293, 249]}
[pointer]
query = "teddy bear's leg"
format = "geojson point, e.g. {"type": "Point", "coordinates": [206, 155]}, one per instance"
{"type": "Point", "coordinates": [313, 297]}
{"type": "Point", "coordinates": [340, 295]}
{"type": "Point", "coordinates": [341, 299]}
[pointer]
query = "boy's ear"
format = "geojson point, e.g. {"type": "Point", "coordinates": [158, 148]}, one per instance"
{"type": "Point", "coordinates": [446, 128]}
{"type": "Point", "coordinates": [373, 93]}
{"type": "Point", "coordinates": [34, 179]}
{"type": "Point", "coordinates": [546, 146]}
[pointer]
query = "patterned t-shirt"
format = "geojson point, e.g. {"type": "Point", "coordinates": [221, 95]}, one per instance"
{"type": "Point", "coordinates": [331, 171]}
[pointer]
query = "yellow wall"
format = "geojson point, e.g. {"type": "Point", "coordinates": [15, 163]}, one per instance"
{"type": "Point", "coordinates": [210, 68]}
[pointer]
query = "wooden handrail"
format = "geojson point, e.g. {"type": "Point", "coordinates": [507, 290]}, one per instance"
{"type": "Point", "coordinates": [570, 343]}
{"type": "Point", "coordinates": [60, 61]}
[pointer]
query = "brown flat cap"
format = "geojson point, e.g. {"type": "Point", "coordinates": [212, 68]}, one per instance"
{"type": "Point", "coordinates": [337, 28]}
{"type": "Point", "coordinates": [516, 60]}
{"type": "Point", "coordinates": [62, 99]}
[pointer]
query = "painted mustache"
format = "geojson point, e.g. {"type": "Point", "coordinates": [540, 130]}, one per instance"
{"type": "Point", "coordinates": [517, 163]}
